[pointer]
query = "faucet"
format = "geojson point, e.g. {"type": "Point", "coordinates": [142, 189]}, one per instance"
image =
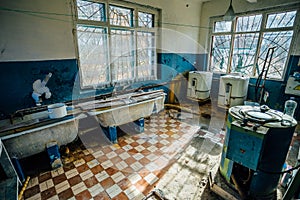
{"type": "Point", "coordinates": [39, 88]}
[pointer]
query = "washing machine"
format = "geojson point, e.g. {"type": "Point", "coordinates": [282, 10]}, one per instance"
{"type": "Point", "coordinates": [255, 148]}
{"type": "Point", "coordinates": [199, 85]}
{"type": "Point", "coordinates": [233, 90]}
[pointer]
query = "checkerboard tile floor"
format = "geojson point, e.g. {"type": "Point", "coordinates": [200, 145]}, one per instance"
{"type": "Point", "coordinates": [127, 170]}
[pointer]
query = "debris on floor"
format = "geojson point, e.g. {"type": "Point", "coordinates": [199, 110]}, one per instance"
{"type": "Point", "coordinates": [155, 195]}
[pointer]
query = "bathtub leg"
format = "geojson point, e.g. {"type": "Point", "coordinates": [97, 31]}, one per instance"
{"type": "Point", "coordinates": [111, 133]}
{"type": "Point", "coordinates": [140, 125]}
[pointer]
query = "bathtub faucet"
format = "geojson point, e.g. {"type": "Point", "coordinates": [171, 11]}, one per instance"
{"type": "Point", "coordinates": [39, 88]}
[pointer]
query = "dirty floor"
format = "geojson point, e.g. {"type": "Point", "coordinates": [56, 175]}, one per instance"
{"type": "Point", "coordinates": [173, 157]}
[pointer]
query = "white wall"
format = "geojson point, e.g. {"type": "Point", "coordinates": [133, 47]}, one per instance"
{"type": "Point", "coordinates": [180, 24]}
{"type": "Point", "coordinates": [32, 35]}
{"type": "Point", "coordinates": [219, 7]}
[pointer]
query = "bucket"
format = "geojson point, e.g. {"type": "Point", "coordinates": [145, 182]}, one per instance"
{"type": "Point", "coordinates": [57, 110]}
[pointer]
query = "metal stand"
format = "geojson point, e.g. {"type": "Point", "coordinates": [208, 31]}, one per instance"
{"type": "Point", "coordinates": [263, 75]}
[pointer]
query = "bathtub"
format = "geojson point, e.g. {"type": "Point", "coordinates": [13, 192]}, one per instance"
{"type": "Point", "coordinates": [113, 111]}
{"type": "Point", "coordinates": [127, 108]}
{"type": "Point", "coordinates": [33, 139]}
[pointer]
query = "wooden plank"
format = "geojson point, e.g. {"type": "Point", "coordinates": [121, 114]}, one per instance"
{"type": "Point", "coordinates": [219, 191]}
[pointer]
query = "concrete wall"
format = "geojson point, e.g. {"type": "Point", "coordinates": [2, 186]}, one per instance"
{"type": "Point", "coordinates": [42, 30]}
{"type": "Point", "coordinates": [180, 24]}
{"type": "Point", "coordinates": [27, 33]}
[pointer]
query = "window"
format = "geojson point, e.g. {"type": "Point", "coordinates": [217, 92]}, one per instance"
{"type": "Point", "coordinates": [241, 45]}
{"type": "Point", "coordinates": [116, 43]}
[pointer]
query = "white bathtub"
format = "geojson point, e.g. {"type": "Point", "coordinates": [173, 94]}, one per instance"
{"type": "Point", "coordinates": [32, 141]}
{"type": "Point", "coordinates": [129, 108]}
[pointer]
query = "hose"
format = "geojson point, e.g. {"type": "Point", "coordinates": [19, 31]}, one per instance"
{"type": "Point", "coordinates": [23, 188]}
{"type": "Point", "coordinates": [282, 172]}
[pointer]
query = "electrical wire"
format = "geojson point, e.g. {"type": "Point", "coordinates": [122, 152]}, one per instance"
{"type": "Point", "coordinates": [282, 172]}
{"type": "Point", "coordinates": [40, 14]}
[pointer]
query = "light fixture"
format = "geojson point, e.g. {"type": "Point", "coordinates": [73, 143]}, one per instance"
{"type": "Point", "coordinates": [229, 15]}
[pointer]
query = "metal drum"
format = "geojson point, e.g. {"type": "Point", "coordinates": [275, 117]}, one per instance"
{"type": "Point", "coordinates": [255, 149]}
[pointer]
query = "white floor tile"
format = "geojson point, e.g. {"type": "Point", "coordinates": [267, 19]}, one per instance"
{"type": "Point", "coordinates": [132, 192]}
{"type": "Point", "coordinates": [71, 173]}
{"type": "Point", "coordinates": [138, 156]}
{"type": "Point", "coordinates": [118, 177]}
{"type": "Point", "coordinates": [46, 185]}
{"type": "Point", "coordinates": [121, 165]}
{"type": "Point", "coordinates": [101, 176]}
{"type": "Point", "coordinates": [151, 178]}
{"type": "Point", "coordinates": [96, 189]}
{"type": "Point", "coordinates": [86, 174]}
{"type": "Point", "coordinates": [92, 163]}
{"type": "Point", "coordinates": [78, 188]}
{"type": "Point", "coordinates": [57, 172]}
{"type": "Point", "coordinates": [151, 157]}
{"type": "Point", "coordinates": [107, 164]}
{"type": "Point", "coordinates": [62, 186]}
{"type": "Point", "coordinates": [79, 162]}
{"type": "Point", "coordinates": [113, 191]}
{"type": "Point", "coordinates": [124, 155]}
{"type": "Point", "coordinates": [97, 154]}
{"type": "Point", "coordinates": [134, 178]}
{"type": "Point", "coordinates": [111, 155]}
{"type": "Point", "coordinates": [136, 166]}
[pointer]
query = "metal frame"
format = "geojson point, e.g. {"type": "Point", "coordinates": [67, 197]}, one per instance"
{"type": "Point", "coordinates": [265, 13]}
{"type": "Point", "coordinates": [106, 24]}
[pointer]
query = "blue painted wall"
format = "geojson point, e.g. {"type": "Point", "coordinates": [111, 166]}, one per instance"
{"type": "Point", "coordinates": [16, 79]}
{"type": "Point", "coordinates": [173, 64]}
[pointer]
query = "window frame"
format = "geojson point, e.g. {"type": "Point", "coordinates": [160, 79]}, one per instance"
{"type": "Point", "coordinates": [261, 31]}
{"type": "Point", "coordinates": [136, 8]}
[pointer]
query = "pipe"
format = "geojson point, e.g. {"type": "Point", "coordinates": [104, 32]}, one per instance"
{"type": "Point", "coordinates": [237, 187]}
{"type": "Point", "coordinates": [23, 188]}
